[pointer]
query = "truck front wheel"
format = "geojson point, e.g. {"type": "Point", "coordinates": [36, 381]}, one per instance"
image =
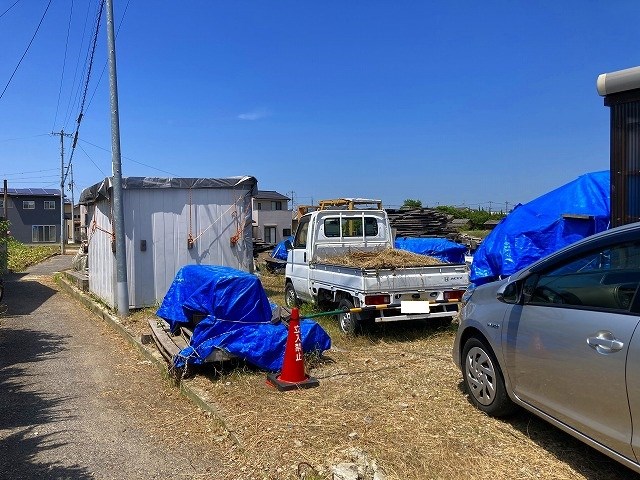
{"type": "Point", "coordinates": [290, 297]}
{"type": "Point", "coordinates": [349, 322]}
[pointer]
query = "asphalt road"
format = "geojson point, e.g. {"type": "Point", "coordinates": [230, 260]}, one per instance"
{"type": "Point", "coordinates": [76, 401]}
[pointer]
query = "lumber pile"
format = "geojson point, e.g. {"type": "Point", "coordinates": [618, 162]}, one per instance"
{"type": "Point", "coordinates": [421, 222]}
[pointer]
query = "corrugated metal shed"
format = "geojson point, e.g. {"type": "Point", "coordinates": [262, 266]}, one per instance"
{"type": "Point", "coordinates": [621, 91]}
{"type": "Point", "coordinates": [163, 217]}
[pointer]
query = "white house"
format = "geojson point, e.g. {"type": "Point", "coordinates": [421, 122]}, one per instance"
{"type": "Point", "coordinates": [271, 216]}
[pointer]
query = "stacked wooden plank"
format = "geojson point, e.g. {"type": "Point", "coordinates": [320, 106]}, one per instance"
{"type": "Point", "coordinates": [421, 222]}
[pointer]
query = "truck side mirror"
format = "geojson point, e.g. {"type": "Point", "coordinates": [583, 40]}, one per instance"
{"type": "Point", "coordinates": [287, 245]}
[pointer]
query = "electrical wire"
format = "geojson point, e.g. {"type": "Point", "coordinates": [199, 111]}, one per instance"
{"type": "Point", "coordinates": [27, 49]}
{"type": "Point", "coordinates": [25, 138]}
{"type": "Point", "coordinates": [86, 88]}
{"type": "Point", "coordinates": [91, 159]}
{"type": "Point", "coordinates": [72, 97]}
{"type": "Point", "coordinates": [104, 67]}
{"type": "Point", "coordinates": [64, 63]}
{"type": "Point", "coordinates": [131, 159]}
{"type": "Point", "coordinates": [31, 171]}
{"type": "Point", "coordinates": [14, 4]}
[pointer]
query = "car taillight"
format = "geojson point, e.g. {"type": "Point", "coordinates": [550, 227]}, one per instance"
{"type": "Point", "coordinates": [453, 295]}
{"type": "Point", "coordinates": [377, 299]}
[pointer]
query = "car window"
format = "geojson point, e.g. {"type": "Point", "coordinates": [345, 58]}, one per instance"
{"type": "Point", "coordinates": [350, 227]}
{"type": "Point", "coordinates": [607, 278]}
{"type": "Point", "coordinates": [300, 240]}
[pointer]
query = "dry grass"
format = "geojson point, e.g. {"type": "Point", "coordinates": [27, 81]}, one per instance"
{"type": "Point", "coordinates": [395, 394]}
{"type": "Point", "coordinates": [387, 258]}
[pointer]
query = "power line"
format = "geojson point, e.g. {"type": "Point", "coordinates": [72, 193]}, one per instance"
{"type": "Point", "coordinates": [14, 4]}
{"type": "Point", "coordinates": [25, 138]}
{"type": "Point", "coordinates": [72, 97]}
{"type": "Point", "coordinates": [31, 171]}
{"type": "Point", "coordinates": [131, 159]}
{"type": "Point", "coordinates": [104, 67]}
{"type": "Point", "coordinates": [64, 63]}
{"type": "Point", "coordinates": [91, 159]}
{"type": "Point", "coordinates": [25, 52]}
{"type": "Point", "coordinates": [86, 87]}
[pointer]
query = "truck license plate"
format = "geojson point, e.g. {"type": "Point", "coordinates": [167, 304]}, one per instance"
{"type": "Point", "coordinates": [414, 306]}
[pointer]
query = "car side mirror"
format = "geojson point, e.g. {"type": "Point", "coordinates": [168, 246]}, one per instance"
{"type": "Point", "coordinates": [509, 293]}
{"type": "Point", "coordinates": [287, 245]}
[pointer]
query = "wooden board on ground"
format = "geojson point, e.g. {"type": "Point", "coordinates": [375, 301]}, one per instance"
{"type": "Point", "coordinates": [170, 345]}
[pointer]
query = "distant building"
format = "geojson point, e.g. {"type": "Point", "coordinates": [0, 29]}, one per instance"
{"type": "Point", "coordinates": [271, 216]}
{"type": "Point", "coordinates": [490, 224]}
{"type": "Point", "coordinates": [34, 214]}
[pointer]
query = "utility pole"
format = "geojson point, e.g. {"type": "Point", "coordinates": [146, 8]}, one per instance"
{"type": "Point", "coordinates": [122, 289]}
{"type": "Point", "coordinates": [62, 178]}
{"type": "Point", "coordinates": [73, 220]}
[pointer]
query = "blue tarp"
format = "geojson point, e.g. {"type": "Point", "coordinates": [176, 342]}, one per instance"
{"type": "Point", "coordinates": [238, 317]}
{"type": "Point", "coordinates": [280, 251]}
{"type": "Point", "coordinates": [440, 248]}
{"type": "Point", "coordinates": [543, 226]}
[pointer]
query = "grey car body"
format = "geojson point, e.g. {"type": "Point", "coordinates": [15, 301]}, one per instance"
{"type": "Point", "coordinates": [560, 339]}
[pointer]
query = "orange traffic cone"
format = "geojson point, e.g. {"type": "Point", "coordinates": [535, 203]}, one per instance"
{"type": "Point", "coordinates": [292, 375]}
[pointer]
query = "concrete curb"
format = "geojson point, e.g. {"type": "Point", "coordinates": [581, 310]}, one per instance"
{"type": "Point", "coordinates": [194, 395]}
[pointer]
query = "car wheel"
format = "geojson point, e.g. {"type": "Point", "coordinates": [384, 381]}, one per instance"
{"type": "Point", "coordinates": [290, 297]}
{"type": "Point", "coordinates": [483, 379]}
{"type": "Point", "coordinates": [349, 322]}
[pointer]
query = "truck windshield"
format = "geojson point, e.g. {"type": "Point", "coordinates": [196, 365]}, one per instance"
{"type": "Point", "coordinates": [351, 227]}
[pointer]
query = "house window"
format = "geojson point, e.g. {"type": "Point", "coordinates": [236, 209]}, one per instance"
{"type": "Point", "coordinates": [276, 205]}
{"type": "Point", "coordinates": [286, 232]}
{"type": "Point", "coordinates": [270, 234]}
{"type": "Point", "coordinates": [29, 204]}
{"type": "Point", "coordinates": [259, 206]}
{"type": "Point", "coordinates": [1, 204]}
{"type": "Point", "coordinates": [43, 233]}
{"type": "Point", "coordinates": [49, 204]}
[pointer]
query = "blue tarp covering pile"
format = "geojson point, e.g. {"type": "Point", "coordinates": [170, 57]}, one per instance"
{"type": "Point", "coordinates": [440, 248]}
{"type": "Point", "coordinates": [238, 317]}
{"type": "Point", "coordinates": [280, 251]}
{"type": "Point", "coordinates": [539, 228]}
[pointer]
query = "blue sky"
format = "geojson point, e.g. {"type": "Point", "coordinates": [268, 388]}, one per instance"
{"type": "Point", "coordinates": [459, 103]}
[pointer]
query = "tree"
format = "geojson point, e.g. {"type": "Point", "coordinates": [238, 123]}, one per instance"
{"type": "Point", "coordinates": [410, 203]}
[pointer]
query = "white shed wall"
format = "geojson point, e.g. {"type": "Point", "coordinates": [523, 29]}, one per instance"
{"type": "Point", "coordinates": [161, 218]}
{"type": "Point", "coordinates": [101, 257]}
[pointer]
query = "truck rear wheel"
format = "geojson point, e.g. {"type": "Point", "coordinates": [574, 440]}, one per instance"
{"type": "Point", "coordinates": [290, 297]}
{"type": "Point", "coordinates": [349, 322]}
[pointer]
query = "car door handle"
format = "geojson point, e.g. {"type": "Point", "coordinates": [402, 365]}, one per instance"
{"type": "Point", "coordinates": [605, 342]}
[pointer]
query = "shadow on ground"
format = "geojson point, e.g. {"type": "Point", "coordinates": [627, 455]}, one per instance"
{"type": "Point", "coordinates": [24, 297]}
{"type": "Point", "coordinates": [580, 457]}
{"type": "Point", "coordinates": [24, 411]}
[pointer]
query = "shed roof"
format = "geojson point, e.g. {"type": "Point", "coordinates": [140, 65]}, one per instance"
{"type": "Point", "coordinates": [33, 192]}
{"type": "Point", "coordinates": [92, 193]}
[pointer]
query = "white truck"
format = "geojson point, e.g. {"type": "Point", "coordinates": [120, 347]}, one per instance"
{"type": "Point", "coordinates": [429, 292]}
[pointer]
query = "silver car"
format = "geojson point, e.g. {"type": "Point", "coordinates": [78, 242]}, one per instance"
{"type": "Point", "coordinates": [560, 339]}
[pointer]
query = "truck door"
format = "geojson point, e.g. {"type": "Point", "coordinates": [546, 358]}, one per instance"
{"type": "Point", "coordinates": [299, 273]}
